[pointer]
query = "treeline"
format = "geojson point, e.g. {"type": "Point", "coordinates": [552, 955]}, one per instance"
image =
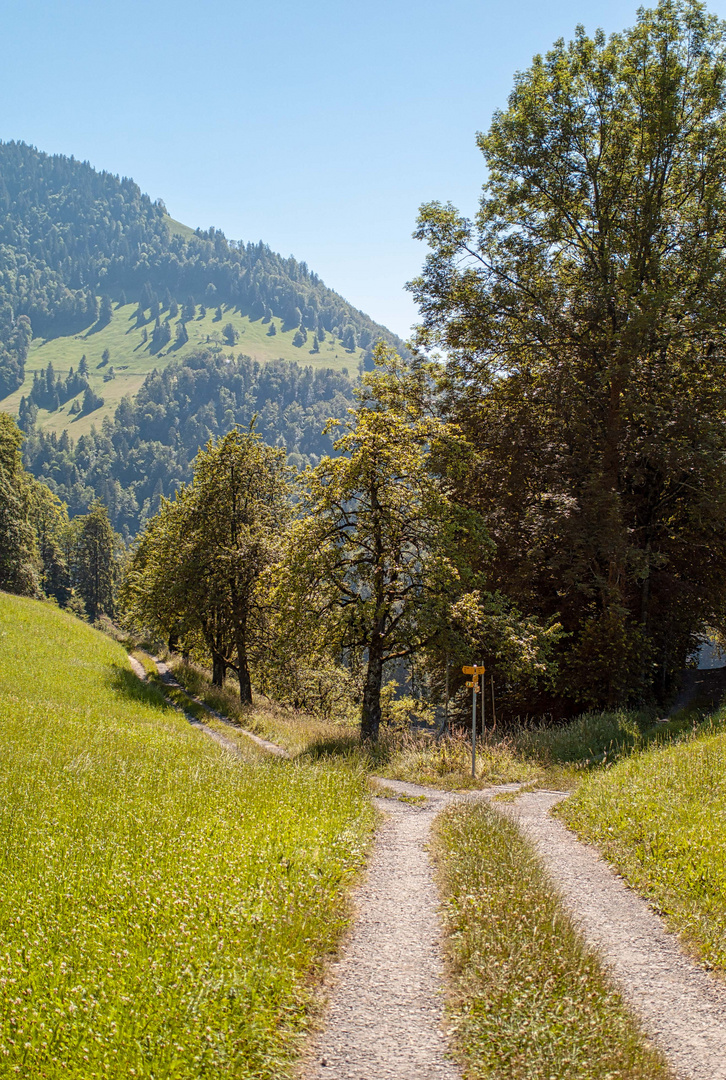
{"type": "Point", "coordinates": [148, 449]}
{"type": "Point", "coordinates": [69, 234]}
{"type": "Point", "coordinates": [77, 563]}
{"type": "Point", "coordinates": [337, 575]}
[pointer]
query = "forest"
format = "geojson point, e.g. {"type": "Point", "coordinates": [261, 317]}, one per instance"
{"type": "Point", "coordinates": [148, 450]}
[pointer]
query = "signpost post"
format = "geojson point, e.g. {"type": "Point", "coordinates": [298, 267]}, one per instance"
{"type": "Point", "coordinates": [475, 671]}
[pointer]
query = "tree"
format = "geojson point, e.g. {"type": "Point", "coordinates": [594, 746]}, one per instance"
{"type": "Point", "coordinates": [91, 401]}
{"type": "Point", "coordinates": [381, 552]}
{"type": "Point", "coordinates": [48, 517]}
{"type": "Point", "coordinates": [18, 553]}
{"type": "Point", "coordinates": [201, 563]}
{"type": "Point", "coordinates": [95, 562]}
{"type": "Point", "coordinates": [230, 335]}
{"type": "Point", "coordinates": [350, 342]}
{"type": "Point", "coordinates": [584, 315]}
{"type": "Point", "coordinates": [83, 367]}
{"type": "Point", "coordinates": [105, 313]}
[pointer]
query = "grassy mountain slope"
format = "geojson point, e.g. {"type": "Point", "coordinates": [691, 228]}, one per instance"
{"type": "Point", "coordinates": [76, 243]}
{"type": "Point", "coordinates": [156, 919]}
{"type": "Point", "coordinates": [132, 359]}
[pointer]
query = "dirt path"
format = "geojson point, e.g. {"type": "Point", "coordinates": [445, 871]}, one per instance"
{"type": "Point", "coordinates": [385, 1014]}
{"type": "Point", "coordinates": [680, 1005]}
{"type": "Point", "coordinates": [166, 677]}
{"type": "Point", "coordinates": [228, 744]}
{"type": "Point", "coordinates": [386, 1007]}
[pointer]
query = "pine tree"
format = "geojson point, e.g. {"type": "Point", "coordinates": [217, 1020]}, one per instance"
{"type": "Point", "coordinates": [95, 562]}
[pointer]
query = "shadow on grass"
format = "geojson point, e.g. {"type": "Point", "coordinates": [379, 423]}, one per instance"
{"type": "Point", "coordinates": [129, 685]}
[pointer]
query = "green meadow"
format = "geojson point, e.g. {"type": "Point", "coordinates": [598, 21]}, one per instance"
{"type": "Point", "coordinates": [660, 817]}
{"type": "Point", "coordinates": [132, 360]}
{"type": "Point", "coordinates": [164, 905]}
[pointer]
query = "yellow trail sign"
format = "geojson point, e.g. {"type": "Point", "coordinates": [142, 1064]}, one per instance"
{"type": "Point", "coordinates": [473, 670]}
{"type": "Point", "coordinates": [473, 686]}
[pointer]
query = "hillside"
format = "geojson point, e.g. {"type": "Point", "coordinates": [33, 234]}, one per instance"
{"type": "Point", "coordinates": [147, 892]}
{"type": "Point", "coordinates": [89, 264]}
{"type": "Point", "coordinates": [148, 448]}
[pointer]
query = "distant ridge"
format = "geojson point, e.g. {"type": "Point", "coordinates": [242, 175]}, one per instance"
{"type": "Point", "coordinates": [77, 246]}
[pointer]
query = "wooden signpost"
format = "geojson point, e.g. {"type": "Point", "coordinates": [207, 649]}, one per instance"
{"type": "Point", "coordinates": [475, 670]}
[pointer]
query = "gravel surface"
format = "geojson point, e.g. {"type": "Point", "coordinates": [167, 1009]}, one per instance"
{"type": "Point", "coordinates": [386, 1008]}
{"type": "Point", "coordinates": [680, 1005]}
{"type": "Point", "coordinates": [385, 1015]}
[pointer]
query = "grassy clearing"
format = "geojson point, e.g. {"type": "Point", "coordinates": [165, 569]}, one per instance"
{"type": "Point", "coordinates": [132, 359]}
{"type": "Point", "coordinates": [162, 904]}
{"type": "Point", "coordinates": [528, 1001]}
{"type": "Point", "coordinates": [660, 817]}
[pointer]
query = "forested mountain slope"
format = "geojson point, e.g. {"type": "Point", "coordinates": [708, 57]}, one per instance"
{"type": "Point", "coordinates": [149, 447]}
{"type": "Point", "coordinates": [90, 266]}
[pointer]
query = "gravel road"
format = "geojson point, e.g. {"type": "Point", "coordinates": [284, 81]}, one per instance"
{"type": "Point", "coordinates": [385, 1015]}
{"type": "Point", "coordinates": [680, 1005]}
{"type": "Point", "coordinates": [386, 1007]}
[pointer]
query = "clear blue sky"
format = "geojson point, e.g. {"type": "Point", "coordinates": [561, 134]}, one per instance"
{"type": "Point", "coordinates": [318, 127]}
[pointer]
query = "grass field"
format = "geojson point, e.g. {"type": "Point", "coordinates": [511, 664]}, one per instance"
{"type": "Point", "coordinates": [527, 999]}
{"type": "Point", "coordinates": [660, 817]}
{"type": "Point", "coordinates": [132, 360]}
{"type": "Point", "coordinates": [162, 904]}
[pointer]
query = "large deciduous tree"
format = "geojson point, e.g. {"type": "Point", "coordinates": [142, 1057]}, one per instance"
{"type": "Point", "coordinates": [583, 312]}
{"type": "Point", "coordinates": [200, 564]}
{"type": "Point", "coordinates": [380, 553]}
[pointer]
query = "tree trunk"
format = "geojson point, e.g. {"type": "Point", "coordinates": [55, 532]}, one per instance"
{"type": "Point", "coordinates": [371, 712]}
{"type": "Point", "coordinates": [219, 669]}
{"type": "Point", "coordinates": [245, 683]}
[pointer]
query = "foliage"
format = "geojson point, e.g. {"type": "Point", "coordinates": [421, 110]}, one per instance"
{"type": "Point", "coordinates": [200, 564]}
{"type": "Point", "coordinates": [658, 817]}
{"type": "Point", "coordinates": [95, 564]}
{"type": "Point", "coordinates": [155, 918]}
{"type": "Point", "coordinates": [583, 316]}
{"type": "Point", "coordinates": [379, 552]}
{"type": "Point", "coordinates": [529, 1000]}
{"type": "Point", "coordinates": [18, 554]}
{"type": "Point", "coordinates": [148, 451]}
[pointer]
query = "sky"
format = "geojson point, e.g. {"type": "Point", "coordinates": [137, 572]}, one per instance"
{"type": "Point", "coordinates": [317, 127]}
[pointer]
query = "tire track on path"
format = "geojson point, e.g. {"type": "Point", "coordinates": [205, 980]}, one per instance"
{"type": "Point", "coordinates": [680, 1005]}
{"type": "Point", "coordinates": [386, 995]}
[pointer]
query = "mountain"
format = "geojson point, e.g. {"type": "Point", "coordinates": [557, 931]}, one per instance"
{"type": "Point", "coordinates": [95, 275]}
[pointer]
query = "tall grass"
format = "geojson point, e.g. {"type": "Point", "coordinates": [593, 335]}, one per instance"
{"type": "Point", "coordinates": [660, 816]}
{"type": "Point", "coordinates": [528, 1000]}
{"type": "Point", "coordinates": [162, 904]}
